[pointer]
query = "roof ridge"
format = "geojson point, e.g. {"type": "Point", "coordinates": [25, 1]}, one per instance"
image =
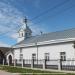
{"type": "Point", "coordinates": [67, 33]}
{"type": "Point", "coordinates": [59, 31]}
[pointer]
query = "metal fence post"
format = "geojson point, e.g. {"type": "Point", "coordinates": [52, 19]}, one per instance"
{"type": "Point", "coordinates": [22, 63]}
{"type": "Point", "coordinates": [59, 64]}
{"type": "Point", "coordinates": [3, 62]}
{"type": "Point", "coordinates": [44, 64]}
{"type": "Point", "coordinates": [14, 62]}
{"type": "Point", "coordinates": [32, 63]}
{"type": "Point", "coordinates": [8, 62]}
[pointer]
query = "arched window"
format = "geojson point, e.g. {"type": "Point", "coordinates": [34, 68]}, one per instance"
{"type": "Point", "coordinates": [10, 59]}
{"type": "Point", "coordinates": [22, 34]}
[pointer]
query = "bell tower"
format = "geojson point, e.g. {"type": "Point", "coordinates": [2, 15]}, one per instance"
{"type": "Point", "coordinates": [24, 32]}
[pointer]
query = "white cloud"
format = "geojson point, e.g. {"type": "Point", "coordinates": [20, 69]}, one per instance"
{"type": "Point", "coordinates": [9, 17]}
{"type": "Point", "coordinates": [14, 36]}
{"type": "Point", "coordinates": [10, 20]}
{"type": "Point", "coordinates": [4, 44]}
{"type": "Point", "coordinates": [36, 28]}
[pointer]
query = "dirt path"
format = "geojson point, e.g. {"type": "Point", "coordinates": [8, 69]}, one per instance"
{"type": "Point", "coordinates": [6, 73]}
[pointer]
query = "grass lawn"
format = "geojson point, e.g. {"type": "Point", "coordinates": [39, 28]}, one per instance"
{"type": "Point", "coordinates": [25, 71]}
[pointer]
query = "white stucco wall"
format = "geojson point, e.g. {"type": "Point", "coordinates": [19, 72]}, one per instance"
{"type": "Point", "coordinates": [54, 51]}
{"type": "Point", "coordinates": [20, 39]}
{"type": "Point", "coordinates": [16, 53]}
{"type": "Point", "coordinates": [27, 52]}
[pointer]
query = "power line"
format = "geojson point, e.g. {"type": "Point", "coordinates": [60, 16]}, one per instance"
{"type": "Point", "coordinates": [3, 34]}
{"type": "Point", "coordinates": [58, 13]}
{"type": "Point", "coordinates": [45, 13]}
{"type": "Point", "coordinates": [50, 9]}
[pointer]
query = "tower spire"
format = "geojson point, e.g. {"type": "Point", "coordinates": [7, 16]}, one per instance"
{"type": "Point", "coordinates": [25, 32]}
{"type": "Point", "coordinates": [25, 21]}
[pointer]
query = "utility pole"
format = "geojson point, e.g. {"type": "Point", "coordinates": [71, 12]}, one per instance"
{"type": "Point", "coordinates": [37, 51]}
{"type": "Point", "coordinates": [74, 50]}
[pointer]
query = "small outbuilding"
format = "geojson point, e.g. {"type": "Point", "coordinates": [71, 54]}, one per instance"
{"type": "Point", "coordinates": [4, 53]}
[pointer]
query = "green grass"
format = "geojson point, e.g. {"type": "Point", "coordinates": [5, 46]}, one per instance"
{"type": "Point", "coordinates": [21, 70]}
{"type": "Point", "coordinates": [24, 70]}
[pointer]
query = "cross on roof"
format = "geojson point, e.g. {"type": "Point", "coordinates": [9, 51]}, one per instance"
{"type": "Point", "coordinates": [25, 20]}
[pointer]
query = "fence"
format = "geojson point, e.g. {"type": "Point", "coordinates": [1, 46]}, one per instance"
{"type": "Point", "coordinates": [43, 64]}
{"type": "Point", "coordinates": [68, 65]}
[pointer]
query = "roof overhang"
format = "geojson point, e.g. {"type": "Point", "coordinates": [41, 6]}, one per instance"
{"type": "Point", "coordinates": [45, 42]}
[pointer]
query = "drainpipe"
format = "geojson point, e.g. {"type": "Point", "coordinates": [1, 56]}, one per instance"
{"type": "Point", "coordinates": [74, 50]}
{"type": "Point", "coordinates": [37, 51]}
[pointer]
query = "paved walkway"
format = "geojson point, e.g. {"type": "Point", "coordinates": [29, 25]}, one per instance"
{"type": "Point", "coordinates": [6, 73]}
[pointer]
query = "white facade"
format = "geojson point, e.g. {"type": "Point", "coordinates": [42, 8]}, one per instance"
{"type": "Point", "coordinates": [53, 50]}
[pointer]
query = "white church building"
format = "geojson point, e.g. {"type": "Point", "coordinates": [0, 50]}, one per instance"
{"type": "Point", "coordinates": [49, 46]}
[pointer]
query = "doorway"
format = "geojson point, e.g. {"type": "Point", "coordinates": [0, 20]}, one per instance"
{"type": "Point", "coordinates": [10, 59]}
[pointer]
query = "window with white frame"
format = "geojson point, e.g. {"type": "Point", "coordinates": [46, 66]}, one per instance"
{"type": "Point", "coordinates": [47, 56]}
{"type": "Point", "coordinates": [63, 56]}
{"type": "Point", "coordinates": [34, 56]}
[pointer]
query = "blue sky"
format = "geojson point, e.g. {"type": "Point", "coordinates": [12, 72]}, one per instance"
{"type": "Point", "coordinates": [13, 11]}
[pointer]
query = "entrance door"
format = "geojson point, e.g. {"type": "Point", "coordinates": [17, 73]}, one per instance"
{"type": "Point", "coordinates": [10, 59]}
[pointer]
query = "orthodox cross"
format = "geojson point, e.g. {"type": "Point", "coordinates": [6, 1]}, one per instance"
{"type": "Point", "coordinates": [25, 21]}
